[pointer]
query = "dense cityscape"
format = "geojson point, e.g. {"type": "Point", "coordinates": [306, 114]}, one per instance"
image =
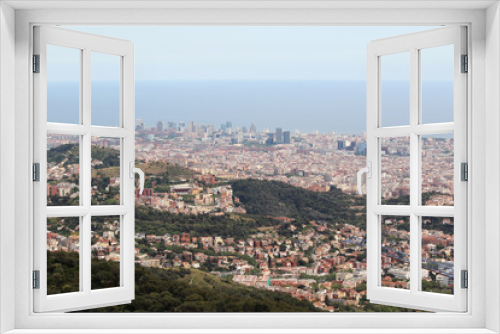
{"type": "Point", "coordinates": [209, 205]}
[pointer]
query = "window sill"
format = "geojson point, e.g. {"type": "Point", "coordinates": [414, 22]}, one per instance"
{"type": "Point", "coordinates": [251, 331]}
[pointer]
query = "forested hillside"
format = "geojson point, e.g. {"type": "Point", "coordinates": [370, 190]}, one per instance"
{"type": "Point", "coordinates": [153, 221]}
{"type": "Point", "coordinates": [66, 151]}
{"type": "Point", "coordinates": [173, 290]}
{"type": "Point", "coordinates": [279, 199]}
{"type": "Point", "coordinates": [109, 157]}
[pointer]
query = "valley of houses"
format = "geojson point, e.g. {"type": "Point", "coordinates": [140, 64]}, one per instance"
{"type": "Point", "coordinates": [290, 265]}
{"type": "Point", "coordinates": [313, 264]}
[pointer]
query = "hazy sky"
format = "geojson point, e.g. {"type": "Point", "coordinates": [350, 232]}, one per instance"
{"type": "Point", "coordinates": [248, 53]}
{"type": "Point", "coordinates": [307, 78]}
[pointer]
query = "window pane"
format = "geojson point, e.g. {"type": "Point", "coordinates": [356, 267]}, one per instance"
{"type": "Point", "coordinates": [395, 170]}
{"type": "Point", "coordinates": [105, 171]}
{"type": "Point", "coordinates": [63, 170]}
{"type": "Point", "coordinates": [437, 170]}
{"type": "Point", "coordinates": [395, 235]}
{"type": "Point", "coordinates": [395, 89]}
{"type": "Point", "coordinates": [63, 257]}
{"type": "Point", "coordinates": [437, 254]}
{"type": "Point", "coordinates": [437, 84]}
{"type": "Point", "coordinates": [105, 89]}
{"type": "Point", "coordinates": [63, 84]}
{"type": "Point", "coordinates": [105, 234]}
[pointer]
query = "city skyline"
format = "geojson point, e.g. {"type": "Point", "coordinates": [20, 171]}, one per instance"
{"type": "Point", "coordinates": [193, 126]}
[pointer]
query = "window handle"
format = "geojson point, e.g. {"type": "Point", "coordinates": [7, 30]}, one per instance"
{"type": "Point", "coordinates": [368, 171]}
{"type": "Point", "coordinates": [139, 171]}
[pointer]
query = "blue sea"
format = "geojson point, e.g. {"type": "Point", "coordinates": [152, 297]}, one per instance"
{"type": "Point", "coordinates": [307, 106]}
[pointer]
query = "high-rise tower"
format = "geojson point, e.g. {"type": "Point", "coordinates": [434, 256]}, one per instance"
{"type": "Point", "coordinates": [160, 126]}
{"type": "Point", "coordinates": [279, 136]}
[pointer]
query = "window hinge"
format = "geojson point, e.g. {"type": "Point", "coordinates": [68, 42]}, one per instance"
{"type": "Point", "coordinates": [36, 172]}
{"type": "Point", "coordinates": [464, 172]}
{"type": "Point", "coordinates": [464, 274]}
{"type": "Point", "coordinates": [36, 279]}
{"type": "Point", "coordinates": [36, 63]}
{"type": "Point", "coordinates": [465, 64]}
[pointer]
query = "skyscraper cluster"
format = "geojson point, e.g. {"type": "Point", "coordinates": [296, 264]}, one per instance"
{"type": "Point", "coordinates": [238, 134]}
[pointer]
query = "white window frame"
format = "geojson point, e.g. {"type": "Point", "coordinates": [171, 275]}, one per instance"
{"type": "Point", "coordinates": [484, 50]}
{"type": "Point", "coordinates": [413, 44]}
{"type": "Point", "coordinates": [87, 44]}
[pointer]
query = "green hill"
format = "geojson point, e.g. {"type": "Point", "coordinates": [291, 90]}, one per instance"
{"type": "Point", "coordinates": [68, 152]}
{"type": "Point", "coordinates": [153, 221]}
{"type": "Point", "coordinates": [172, 290]}
{"type": "Point", "coordinates": [191, 290]}
{"type": "Point", "coordinates": [109, 157]}
{"type": "Point", "coordinates": [272, 198]}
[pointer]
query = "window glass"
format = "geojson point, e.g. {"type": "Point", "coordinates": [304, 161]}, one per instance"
{"type": "Point", "coordinates": [438, 170]}
{"type": "Point", "coordinates": [63, 170]}
{"type": "Point", "coordinates": [106, 171]}
{"type": "Point", "coordinates": [395, 170]}
{"type": "Point", "coordinates": [105, 89]}
{"type": "Point", "coordinates": [63, 255]}
{"type": "Point", "coordinates": [395, 237]}
{"type": "Point", "coordinates": [437, 75]}
{"type": "Point", "coordinates": [63, 84]}
{"type": "Point", "coordinates": [395, 89]}
{"type": "Point", "coordinates": [105, 247]}
{"type": "Point", "coordinates": [437, 254]}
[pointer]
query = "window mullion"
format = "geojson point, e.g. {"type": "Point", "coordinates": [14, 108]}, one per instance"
{"type": "Point", "coordinates": [85, 167]}
{"type": "Point", "coordinates": [433, 129]}
{"type": "Point", "coordinates": [414, 169]}
{"type": "Point", "coordinates": [414, 218]}
{"type": "Point", "coordinates": [109, 210]}
{"type": "Point", "coordinates": [85, 253]}
{"type": "Point", "coordinates": [67, 129]}
{"type": "Point", "coordinates": [85, 179]}
{"type": "Point", "coordinates": [99, 131]}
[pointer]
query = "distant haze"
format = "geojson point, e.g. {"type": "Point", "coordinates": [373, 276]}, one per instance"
{"type": "Point", "coordinates": [296, 77]}
{"type": "Point", "coordinates": [307, 106]}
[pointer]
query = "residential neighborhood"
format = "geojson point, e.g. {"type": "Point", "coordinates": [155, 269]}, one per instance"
{"type": "Point", "coordinates": [189, 172]}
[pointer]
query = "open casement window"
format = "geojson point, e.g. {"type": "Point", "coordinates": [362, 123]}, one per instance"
{"type": "Point", "coordinates": [416, 198]}
{"type": "Point", "coordinates": [84, 171]}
